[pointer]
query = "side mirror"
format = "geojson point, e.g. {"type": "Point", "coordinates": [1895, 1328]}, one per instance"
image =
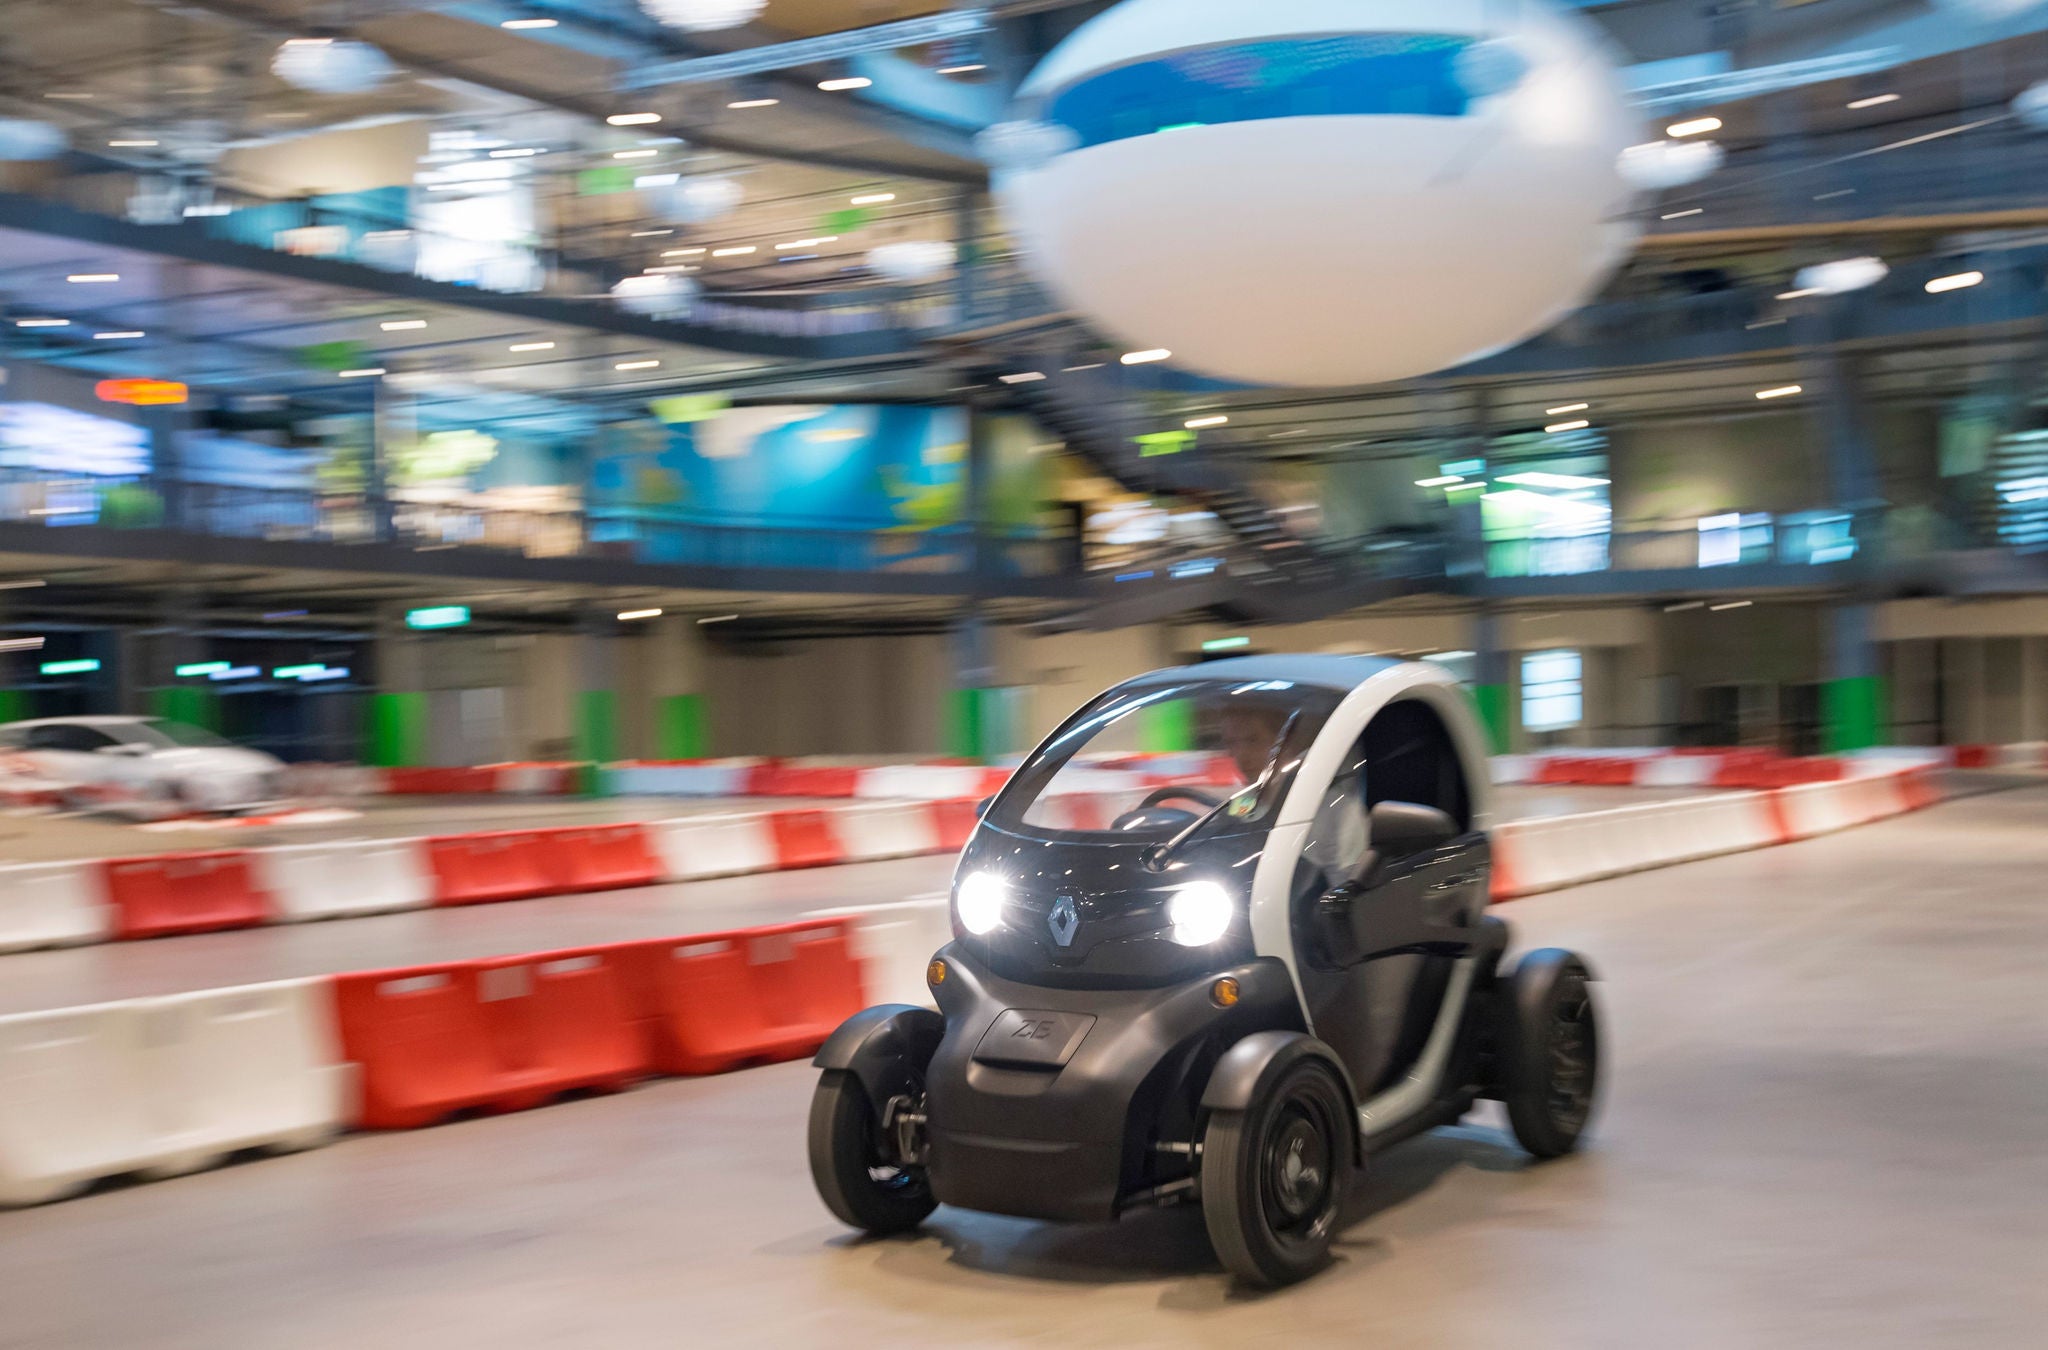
{"type": "Point", "coordinates": [981, 807]}
{"type": "Point", "coordinates": [1402, 829]}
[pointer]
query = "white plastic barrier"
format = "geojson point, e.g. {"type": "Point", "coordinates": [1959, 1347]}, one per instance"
{"type": "Point", "coordinates": [895, 944]}
{"type": "Point", "coordinates": [163, 1086]}
{"type": "Point", "coordinates": [1674, 771]}
{"type": "Point", "coordinates": [230, 1069]}
{"type": "Point", "coordinates": [339, 880]}
{"type": "Point", "coordinates": [921, 782]}
{"type": "Point", "coordinates": [892, 830]}
{"type": "Point", "coordinates": [52, 905]}
{"type": "Point", "coordinates": [1822, 808]}
{"type": "Point", "coordinates": [1513, 770]}
{"type": "Point", "coordinates": [534, 780]}
{"type": "Point", "coordinates": [678, 780]}
{"type": "Point", "coordinates": [1541, 855]}
{"type": "Point", "coordinates": [714, 846]}
{"type": "Point", "coordinates": [2027, 755]}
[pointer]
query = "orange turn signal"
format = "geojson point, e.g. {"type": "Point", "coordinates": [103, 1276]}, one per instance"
{"type": "Point", "coordinates": [935, 973]}
{"type": "Point", "coordinates": [1225, 992]}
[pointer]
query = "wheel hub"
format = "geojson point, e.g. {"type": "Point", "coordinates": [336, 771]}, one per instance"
{"type": "Point", "coordinates": [1298, 1168]}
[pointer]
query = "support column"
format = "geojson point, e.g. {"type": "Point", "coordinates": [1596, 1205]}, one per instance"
{"type": "Point", "coordinates": [981, 717]}
{"type": "Point", "coordinates": [1493, 688]}
{"type": "Point", "coordinates": [1855, 705]}
{"type": "Point", "coordinates": [682, 721]}
{"type": "Point", "coordinates": [396, 729]}
{"type": "Point", "coordinates": [597, 701]}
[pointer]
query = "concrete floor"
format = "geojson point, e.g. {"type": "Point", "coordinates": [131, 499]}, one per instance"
{"type": "Point", "coordinates": [1828, 1072]}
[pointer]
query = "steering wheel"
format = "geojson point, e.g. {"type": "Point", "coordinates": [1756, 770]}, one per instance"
{"type": "Point", "coordinates": [1208, 801]}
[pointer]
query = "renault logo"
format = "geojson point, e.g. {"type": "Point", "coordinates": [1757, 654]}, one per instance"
{"type": "Point", "coordinates": [1063, 920]}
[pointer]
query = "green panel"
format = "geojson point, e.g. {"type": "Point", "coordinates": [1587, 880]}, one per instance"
{"type": "Point", "coordinates": [397, 731]}
{"type": "Point", "coordinates": [1164, 728]}
{"type": "Point", "coordinates": [1855, 714]}
{"type": "Point", "coordinates": [963, 724]}
{"type": "Point", "coordinates": [597, 736]}
{"type": "Point", "coordinates": [183, 703]}
{"type": "Point", "coordinates": [982, 723]}
{"type": "Point", "coordinates": [1494, 705]}
{"type": "Point", "coordinates": [679, 728]}
{"type": "Point", "coordinates": [15, 705]}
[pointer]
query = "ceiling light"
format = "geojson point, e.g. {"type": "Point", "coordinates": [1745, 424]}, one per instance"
{"type": "Point", "coordinates": [1960, 281]}
{"type": "Point", "coordinates": [1567, 408]}
{"type": "Point", "coordinates": [874, 198]}
{"type": "Point", "coordinates": [1199, 423]}
{"type": "Point", "coordinates": [1561, 481]}
{"type": "Point", "coordinates": [809, 243]}
{"type": "Point", "coordinates": [126, 333]}
{"type": "Point", "coordinates": [639, 119]}
{"type": "Point", "coordinates": [1555, 428]}
{"type": "Point", "coordinates": [967, 69]}
{"type": "Point", "coordinates": [533, 346]}
{"type": "Point", "coordinates": [754, 103]}
{"type": "Point", "coordinates": [683, 253]}
{"type": "Point", "coordinates": [209, 209]}
{"type": "Point", "coordinates": [1022, 377]}
{"type": "Point", "coordinates": [89, 277]}
{"type": "Point", "coordinates": [1697, 126]}
{"type": "Point", "coordinates": [629, 615]}
{"type": "Point", "coordinates": [850, 82]}
{"type": "Point", "coordinates": [1681, 215]}
{"type": "Point", "coordinates": [636, 365]}
{"type": "Point", "coordinates": [739, 252]}
{"type": "Point", "coordinates": [719, 618]}
{"type": "Point", "coordinates": [670, 269]}
{"type": "Point", "coordinates": [1875, 100]}
{"type": "Point", "coordinates": [42, 323]}
{"type": "Point", "coordinates": [516, 24]}
{"type": "Point", "coordinates": [1732, 604]}
{"type": "Point", "coordinates": [649, 234]}
{"type": "Point", "coordinates": [1782, 391]}
{"type": "Point", "coordinates": [131, 145]}
{"type": "Point", "coordinates": [1069, 370]}
{"type": "Point", "coordinates": [1799, 293]}
{"type": "Point", "coordinates": [634, 154]}
{"type": "Point", "coordinates": [522, 152]}
{"type": "Point", "coordinates": [1684, 606]}
{"type": "Point", "coordinates": [361, 374]}
{"type": "Point", "coordinates": [1146, 357]}
{"type": "Point", "coordinates": [1444, 481]}
{"type": "Point", "coordinates": [402, 325]}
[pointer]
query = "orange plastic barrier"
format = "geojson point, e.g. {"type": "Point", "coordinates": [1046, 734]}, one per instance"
{"type": "Point", "coordinates": [597, 858]}
{"type": "Point", "coordinates": [481, 869]}
{"type": "Point", "coordinates": [422, 1043]}
{"type": "Point", "coordinates": [955, 820]}
{"type": "Point", "coordinates": [184, 893]}
{"type": "Point", "coordinates": [764, 779]}
{"type": "Point", "coordinates": [1974, 757]}
{"type": "Point", "coordinates": [561, 1022]}
{"type": "Point", "coordinates": [472, 781]}
{"type": "Point", "coordinates": [718, 1001]}
{"type": "Point", "coordinates": [804, 839]}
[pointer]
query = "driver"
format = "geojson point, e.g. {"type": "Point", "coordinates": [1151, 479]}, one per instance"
{"type": "Point", "coordinates": [1336, 844]}
{"type": "Point", "coordinates": [1249, 730]}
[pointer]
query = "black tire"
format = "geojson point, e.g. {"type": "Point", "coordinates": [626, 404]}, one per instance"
{"type": "Point", "coordinates": [861, 1187]}
{"type": "Point", "coordinates": [1550, 1052]}
{"type": "Point", "coordinates": [1274, 1177]}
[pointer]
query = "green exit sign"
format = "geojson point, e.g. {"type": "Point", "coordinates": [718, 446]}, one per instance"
{"type": "Point", "coordinates": [439, 616]}
{"type": "Point", "coordinates": [70, 667]}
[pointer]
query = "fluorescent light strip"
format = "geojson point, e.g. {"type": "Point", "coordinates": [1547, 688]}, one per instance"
{"type": "Point", "coordinates": [636, 365]}
{"type": "Point", "coordinates": [720, 618]}
{"type": "Point", "coordinates": [638, 119]}
{"type": "Point", "coordinates": [128, 333]}
{"type": "Point", "coordinates": [1697, 126]}
{"type": "Point", "coordinates": [1557, 428]}
{"type": "Point", "coordinates": [402, 325]}
{"type": "Point", "coordinates": [734, 252]}
{"type": "Point", "coordinates": [874, 198]}
{"type": "Point", "coordinates": [629, 615]}
{"type": "Point", "coordinates": [1875, 100]}
{"type": "Point", "coordinates": [850, 82]}
{"type": "Point", "coordinates": [754, 103]}
{"type": "Point", "coordinates": [1146, 357]}
{"type": "Point", "coordinates": [1681, 215]}
{"type": "Point", "coordinates": [1023, 377]}
{"type": "Point", "coordinates": [649, 234]}
{"type": "Point", "coordinates": [1446, 481]}
{"type": "Point", "coordinates": [682, 253]}
{"type": "Point", "coordinates": [363, 374]}
{"type": "Point", "coordinates": [90, 278]}
{"type": "Point", "coordinates": [533, 346]}
{"type": "Point", "coordinates": [1959, 282]}
{"type": "Point", "coordinates": [1567, 408]}
{"type": "Point", "coordinates": [634, 154]}
{"type": "Point", "coordinates": [523, 152]}
{"type": "Point", "coordinates": [1733, 604]}
{"type": "Point", "coordinates": [1782, 391]}
{"type": "Point", "coordinates": [1202, 423]}
{"type": "Point", "coordinates": [132, 145]}
{"type": "Point", "coordinates": [967, 69]}
{"type": "Point", "coordinates": [808, 243]}
{"type": "Point", "coordinates": [42, 323]}
{"type": "Point", "coordinates": [516, 24]}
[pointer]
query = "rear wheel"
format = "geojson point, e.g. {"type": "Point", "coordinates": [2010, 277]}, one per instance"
{"type": "Point", "coordinates": [856, 1178]}
{"type": "Point", "coordinates": [1550, 1052]}
{"type": "Point", "coordinates": [1274, 1178]}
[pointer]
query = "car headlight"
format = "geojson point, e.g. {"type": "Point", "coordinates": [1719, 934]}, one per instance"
{"type": "Point", "coordinates": [979, 902]}
{"type": "Point", "coordinates": [1201, 913]}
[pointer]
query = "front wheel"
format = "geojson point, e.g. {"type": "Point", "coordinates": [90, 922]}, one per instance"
{"type": "Point", "coordinates": [1550, 1052]}
{"type": "Point", "coordinates": [1274, 1178]}
{"type": "Point", "coordinates": [856, 1179]}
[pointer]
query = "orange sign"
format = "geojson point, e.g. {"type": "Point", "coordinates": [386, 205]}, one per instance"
{"type": "Point", "coordinates": [141, 393]}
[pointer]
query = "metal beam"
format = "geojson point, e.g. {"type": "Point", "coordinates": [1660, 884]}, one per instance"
{"type": "Point", "coordinates": [880, 37]}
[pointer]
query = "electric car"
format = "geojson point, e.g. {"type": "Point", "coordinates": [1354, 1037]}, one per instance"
{"type": "Point", "coordinates": [1232, 995]}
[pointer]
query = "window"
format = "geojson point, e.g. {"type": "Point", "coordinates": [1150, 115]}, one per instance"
{"type": "Point", "coordinates": [66, 736]}
{"type": "Point", "coordinates": [1553, 690]}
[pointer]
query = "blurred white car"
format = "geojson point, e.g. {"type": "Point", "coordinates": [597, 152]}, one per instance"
{"type": "Point", "coordinates": [146, 761]}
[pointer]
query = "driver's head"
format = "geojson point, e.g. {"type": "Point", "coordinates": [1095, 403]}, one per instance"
{"type": "Point", "coordinates": [1249, 731]}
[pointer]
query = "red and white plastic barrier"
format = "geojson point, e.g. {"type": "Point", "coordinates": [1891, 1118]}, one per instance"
{"type": "Point", "coordinates": [160, 1087]}
{"type": "Point", "coordinates": [53, 905]}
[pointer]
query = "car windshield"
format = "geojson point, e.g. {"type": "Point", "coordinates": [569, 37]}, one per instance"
{"type": "Point", "coordinates": [1096, 773]}
{"type": "Point", "coordinates": [165, 735]}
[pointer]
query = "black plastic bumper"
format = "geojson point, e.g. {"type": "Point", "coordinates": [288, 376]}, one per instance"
{"type": "Point", "coordinates": [1070, 1141]}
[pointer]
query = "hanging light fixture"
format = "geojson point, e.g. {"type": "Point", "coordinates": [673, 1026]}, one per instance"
{"type": "Point", "coordinates": [330, 65]}
{"type": "Point", "coordinates": [703, 16]}
{"type": "Point", "coordinates": [28, 138]}
{"type": "Point", "coordinates": [2031, 107]}
{"type": "Point", "coordinates": [912, 260]}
